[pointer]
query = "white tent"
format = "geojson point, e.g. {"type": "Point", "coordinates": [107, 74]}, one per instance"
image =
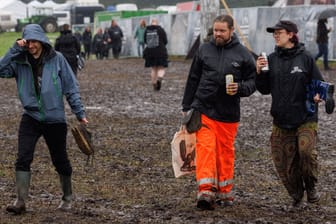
{"type": "Point", "coordinates": [34, 7]}
{"type": "Point", "coordinates": [50, 4]}
{"type": "Point", "coordinates": [16, 7]}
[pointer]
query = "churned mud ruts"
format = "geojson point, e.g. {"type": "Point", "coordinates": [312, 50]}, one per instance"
{"type": "Point", "coordinates": [131, 179]}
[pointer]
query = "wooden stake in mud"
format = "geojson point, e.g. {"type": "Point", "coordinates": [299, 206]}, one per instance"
{"type": "Point", "coordinates": [246, 43]}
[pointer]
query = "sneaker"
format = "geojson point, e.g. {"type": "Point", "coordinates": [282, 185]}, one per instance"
{"type": "Point", "coordinates": [203, 204]}
{"type": "Point", "coordinates": [225, 202]}
{"type": "Point", "coordinates": [330, 102]}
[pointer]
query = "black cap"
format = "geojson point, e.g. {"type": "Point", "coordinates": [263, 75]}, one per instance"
{"type": "Point", "coordinates": [283, 24]}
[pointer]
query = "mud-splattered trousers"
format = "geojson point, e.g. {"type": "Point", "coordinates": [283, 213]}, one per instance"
{"type": "Point", "coordinates": [295, 157]}
{"type": "Point", "coordinates": [215, 156]}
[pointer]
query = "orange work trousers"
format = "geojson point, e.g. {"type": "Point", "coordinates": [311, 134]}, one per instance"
{"type": "Point", "coordinates": [215, 156]}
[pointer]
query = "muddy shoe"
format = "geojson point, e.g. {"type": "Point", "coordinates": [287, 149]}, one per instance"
{"type": "Point", "coordinates": [297, 202]}
{"type": "Point", "coordinates": [313, 196]}
{"type": "Point", "coordinates": [203, 204]}
{"type": "Point", "coordinates": [16, 209]}
{"type": "Point", "coordinates": [158, 84]}
{"type": "Point", "coordinates": [330, 102]}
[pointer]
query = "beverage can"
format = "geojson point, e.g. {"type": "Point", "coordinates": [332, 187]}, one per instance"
{"type": "Point", "coordinates": [266, 68]}
{"type": "Point", "coordinates": [228, 80]}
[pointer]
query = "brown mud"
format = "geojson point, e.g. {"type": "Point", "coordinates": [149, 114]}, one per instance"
{"type": "Point", "coordinates": [131, 180]}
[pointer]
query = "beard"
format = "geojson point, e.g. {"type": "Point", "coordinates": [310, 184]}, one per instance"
{"type": "Point", "coordinates": [220, 42]}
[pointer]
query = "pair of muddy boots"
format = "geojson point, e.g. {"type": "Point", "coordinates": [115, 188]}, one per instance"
{"type": "Point", "coordinates": [22, 187]}
{"type": "Point", "coordinates": [312, 195]}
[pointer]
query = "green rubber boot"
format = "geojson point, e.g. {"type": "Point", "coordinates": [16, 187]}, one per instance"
{"type": "Point", "coordinates": [65, 204]}
{"type": "Point", "coordinates": [22, 188]}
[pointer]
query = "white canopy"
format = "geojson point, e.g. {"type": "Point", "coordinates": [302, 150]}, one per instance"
{"type": "Point", "coordinates": [50, 3]}
{"type": "Point", "coordinates": [17, 8]}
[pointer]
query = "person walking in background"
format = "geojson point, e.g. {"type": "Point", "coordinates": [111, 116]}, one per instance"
{"type": "Point", "coordinates": [139, 36]}
{"type": "Point", "coordinates": [115, 35]}
{"type": "Point", "coordinates": [107, 43]}
{"type": "Point", "coordinates": [208, 92]}
{"type": "Point", "coordinates": [87, 42]}
{"type": "Point", "coordinates": [43, 76]}
{"type": "Point", "coordinates": [294, 134]}
{"type": "Point", "coordinates": [69, 46]}
{"type": "Point", "coordinates": [322, 42]}
{"type": "Point", "coordinates": [98, 44]}
{"type": "Point", "coordinates": [155, 53]}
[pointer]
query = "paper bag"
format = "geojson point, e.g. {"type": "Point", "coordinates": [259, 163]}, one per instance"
{"type": "Point", "coordinates": [183, 148]}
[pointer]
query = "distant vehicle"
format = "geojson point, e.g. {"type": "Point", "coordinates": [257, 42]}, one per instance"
{"type": "Point", "coordinates": [126, 7]}
{"type": "Point", "coordinates": [49, 19]}
{"type": "Point", "coordinates": [52, 20]}
{"type": "Point", "coordinates": [63, 17]}
{"type": "Point", "coordinates": [48, 23]}
{"type": "Point", "coordinates": [83, 14]}
{"type": "Point", "coordinates": [7, 21]}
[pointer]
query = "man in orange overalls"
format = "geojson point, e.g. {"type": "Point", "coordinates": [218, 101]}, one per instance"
{"type": "Point", "coordinates": [218, 102]}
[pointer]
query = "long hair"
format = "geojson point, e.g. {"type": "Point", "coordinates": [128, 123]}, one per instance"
{"type": "Point", "coordinates": [225, 19]}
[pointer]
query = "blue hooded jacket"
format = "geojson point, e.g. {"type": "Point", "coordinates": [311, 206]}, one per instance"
{"type": "Point", "coordinates": [58, 80]}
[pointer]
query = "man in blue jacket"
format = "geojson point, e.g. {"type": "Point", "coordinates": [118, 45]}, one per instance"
{"type": "Point", "coordinates": [43, 77]}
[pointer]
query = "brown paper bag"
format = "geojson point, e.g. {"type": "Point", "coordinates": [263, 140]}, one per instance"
{"type": "Point", "coordinates": [183, 148]}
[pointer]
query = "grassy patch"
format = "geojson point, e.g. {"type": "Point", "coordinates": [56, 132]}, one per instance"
{"type": "Point", "coordinates": [8, 38]}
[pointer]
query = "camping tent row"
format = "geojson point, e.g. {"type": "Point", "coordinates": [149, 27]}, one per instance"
{"type": "Point", "coordinates": [19, 9]}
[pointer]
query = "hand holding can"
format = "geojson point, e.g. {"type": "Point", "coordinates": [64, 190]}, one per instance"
{"type": "Point", "coordinates": [229, 80]}
{"type": "Point", "coordinates": [265, 68]}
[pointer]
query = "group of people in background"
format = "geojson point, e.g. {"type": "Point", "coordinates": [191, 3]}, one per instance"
{"type": "Point", "coordinates": [151, 45]}
{"type": "Point", "coordinates": [102, 41]}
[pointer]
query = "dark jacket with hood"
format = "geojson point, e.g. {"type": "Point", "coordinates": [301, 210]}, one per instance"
{"type": "Point", "coordinates": [206, 88]}
{"type": "Point", "coordinates": [57, 80]}
{"type": "Point", "coordinates": [290, 72]}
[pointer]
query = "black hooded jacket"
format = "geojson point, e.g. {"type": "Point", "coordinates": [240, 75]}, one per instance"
{"type": "Point", "coordinates": [290, 72]}
{"type": "Point", "coordinates": [206, 88]}
{"type": "Point", "coordinates": [69, 46]}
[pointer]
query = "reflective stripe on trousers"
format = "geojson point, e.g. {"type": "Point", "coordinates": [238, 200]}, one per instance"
{"type": "Point", "coordinates": [215, 157]}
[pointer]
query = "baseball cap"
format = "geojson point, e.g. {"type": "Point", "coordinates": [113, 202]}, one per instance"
{"type": "Point", "coordinates": [283, 24]}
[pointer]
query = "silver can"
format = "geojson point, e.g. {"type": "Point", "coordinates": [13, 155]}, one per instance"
{"type": "Point", "coordinates": [266, 68]}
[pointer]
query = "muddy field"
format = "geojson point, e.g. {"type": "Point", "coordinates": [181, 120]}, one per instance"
{"type": "Point", "coordinates": [131, 180]}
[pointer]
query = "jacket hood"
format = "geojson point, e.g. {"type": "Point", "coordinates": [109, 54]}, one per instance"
{"type": "Point", "coordinates": [35, 32]}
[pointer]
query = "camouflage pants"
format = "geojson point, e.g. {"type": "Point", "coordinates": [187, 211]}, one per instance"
{"type": "Point", "coordinates": [295, 157]}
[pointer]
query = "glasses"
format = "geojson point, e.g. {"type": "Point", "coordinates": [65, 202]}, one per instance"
{"type": "Point", "coordinates": [277, 33]}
